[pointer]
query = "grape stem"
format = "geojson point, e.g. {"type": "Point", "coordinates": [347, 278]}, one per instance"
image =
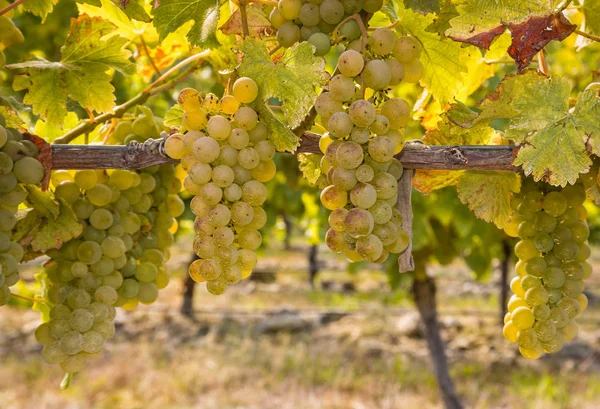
{"type": "Point", "coordinates": [542, 64]}
{"type": "Point", "coordinates": [244, 16]}
{"type": "Point", "coordinates": [142, 97]}
{"type": "Point", "coordinates": [586, 35]}
{"type": "Point", "coordinates": [361, 25]}
{"type": "Point", "coordinates": [147, 51]}
{"type": "Point", "coordinates": [24, 297]}
{"type": "Point", "coordinates": [265, 2]}
{"type": "Point", "coordinates": [11, 6]}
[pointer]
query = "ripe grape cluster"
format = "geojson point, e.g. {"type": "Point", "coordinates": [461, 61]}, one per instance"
{"type": "Point", "coordinates": [18, 167]}
{"type": "Point", "coordinates": [119, 260]}
{"type": "Point", "coordinates": [553, 253]}
{"type": "Point", "coordinates": [363, 136]}
{"type": "Point", "coordinates": [228, 158]}
{"type": "Point", "coordinates": [315, 20]}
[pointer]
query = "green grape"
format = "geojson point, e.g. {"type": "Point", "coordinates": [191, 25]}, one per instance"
{"type": "Point", "coordinates": [321, 42]}
{"type": "Point", "coordinates": [377, 75]}
{"type": "Point", "coordinates": [358, 223]}
{"type": "Point", "coordinates": [397, 111]}
{"type": "Point", "coordinates": [372, 6]}
{"type": "Point", "coordinates": [341, 88]}
{"type": "Point", "coordinates": [106, 295]}
{"type": "Point", "coordinates": [535, 266]}
{"type": "Point", "coordinates": [536, 296]}
{"type": "Point", "coordinates": [413, 71]}
{"type": "Point", "coordinates": [382, 41]}
{"type": "Point", "coordinates": [575, 195]}
{"type": "Point", "coordinates": [559, 317]}
{"type": "Point", "coordinates": [288, 34]}
{"type": "Point", "coordinates": [543, 242]}
{"type": "Point", "coordinates": [28, 170]}
{"type": "Point", "coordinates": [289, 9]}
{"type": "Point", "coordinates": [223, 236]}
{"type": "Point", "coordinates": [206, 149]}
{"type": "Point", "coordinates": [554, 277]}
{"type": "Point", "coordinates": [580, 231]}
{"type": "Point", "coordinates": [363, 195]}
{"type": "Point", "coordinates": [332, 11]}
{"type": "Point", "coordinates": [254, 193]}
{"type": "Point", "coordinates": [555, 204]}
{"type": "Point", "coordinates": [246, 118]}
{"type": "Point", "coordinates": [397, 70]}
{"type": "Point", "coordinates": [238, 139]}
{"type": "Point", "coordinates": [362, 113]}
{"type": "Point", "coordinates": [566, 251]}
{"type": "Point", "coordinates": [525, 250]}
{"type": "Point", "coordinates": [406, 49]}
{"type": "Point", "coordinates": [385, 185]}
{"type": "Point", "coordinates": [146, 272]}
{"type": "Point", "coordinates": [81, 320]}
{"type": "Point", "coordinates": [100, 195]}
{"type": "Point", "coordinates": [523, 318]}
{"type": "Point", "coordinates": [350, 30]}
{"type": "Point", "coordinates": [309, 14]}
{"type": "Point", "coordinates": [381, 148]}
{"type": "Point", "coordinates": [249, 239]}
{"type": "Point", "coordinates": [545, 330]}
{"type": "Point", "coordinates": [570, 306]}
{"type": "Point", "coordinates": [245, 89]}
{"type": "Point", "coordinates": [53, 354]}
{"type": "Point", "coordinates": [101, 219]}
{"type": "Point", "coordinates": [350, 63]}
{"type": "Point", "coordinates": [369, 247]}
{"type": "Point", "coordinates": [175, 147]}
{"type": "Point", "coordinates": [248, 158]}
{"type": "Point", "coordinates": [93, 342]}
{"type": "Point", "coordinates": [326, 105]}
{"type": "Point", "coordinates": [103, 267]}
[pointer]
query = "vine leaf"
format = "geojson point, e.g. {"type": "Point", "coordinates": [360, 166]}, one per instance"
{"type": "Point", "coordinates": [173, 117]}
{"type": "Point", "coordinates": [310, 166]}
{"type": "Point", "coordinates": [532, 24]}
{"type": "Point", "coordinates": [90, 50]}
{"type": "Point", "coordinates": [172, 14]}
{"type": "Point", "coordinates": [42, 233]}
{"type": "Point", "coordinates": [488, 194]}
{"type": "Point", "coordinates": [135, 10]}
{"type": "Point", "coordinates": [533, 35]}
{"type": "Point", "coordinates": [40, 8]}
{"type": "Point", "coordinates": [445, 62]}
{"type": "Point", "coordinates": [292, 80]}
{"type": "Point", "coordinates": [258, 22]}
{"type": "Point", "coordinates": [281, 136]}
{"type": "Point", "coordinates": [586, 115]}
{"type": "Point", "coordinates": [591, 22]}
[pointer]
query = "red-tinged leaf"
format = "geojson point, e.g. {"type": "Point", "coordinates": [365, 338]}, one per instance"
{"type": "Point", "coordinates": [258, 22]}
{"type": "Point", "coordinates": [482, 40]}
{"type": "Point", "coordinates": [532, 35]}
{"type": "Point", "coordinates": [44, 156]}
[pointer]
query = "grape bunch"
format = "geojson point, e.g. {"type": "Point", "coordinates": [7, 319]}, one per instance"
{"type": "Point", "coordinates": [553, 252]}
{"type": "Point", "coordinates": [119, 260]}
{"type": "Point", "coordinates": [228, 158]}
{"type": "Point", "coordinates": [18, 166]}
{"type": "Point", "coordinates": [315, 20]}
{"type": "Point", "coordinates": [363, 136]}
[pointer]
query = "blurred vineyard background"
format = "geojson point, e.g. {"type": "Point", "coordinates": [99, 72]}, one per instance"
{"type": "Point", "coordinates": [351, 341]}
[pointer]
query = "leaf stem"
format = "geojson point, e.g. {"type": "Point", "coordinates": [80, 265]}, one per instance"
{"type": "Point", "coordinates": [244, 16]}
{"type": "Point", "coordinates": [564, 6]}
{"type": "Point", "coordinates": [274, 50]}
{"type": "Point", "coordinates": [586, 35]}
{"type": "Point", "coordinates": [147, 51]}
{"type": "Point", "coordinates": [265, 2]}
{"type": "Point", "coordinates": [542, 64]}
{"type": "Point", "coordinates": [11, 6]}
{"type": "Point", "coordinates": [24, 297]}
{"type": "Point", "coordinates": [142, 97]}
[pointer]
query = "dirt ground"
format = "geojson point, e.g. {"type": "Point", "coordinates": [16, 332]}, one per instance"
{"type": "Point", "coordinates": [353, 345]}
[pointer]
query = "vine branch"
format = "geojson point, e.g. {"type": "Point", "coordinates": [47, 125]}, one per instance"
{"type": "Point", "coordinates": [468, 157]}
{"type": "Point", "coordinates": [139, 99]}
{"type": "Point", "coordinates": [586, 35]}
{"type": "Point", "coordinates": [244, 17]}
{"type": "Point", "coordinates": [11, 6]}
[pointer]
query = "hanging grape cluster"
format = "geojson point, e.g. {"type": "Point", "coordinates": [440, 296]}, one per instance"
{"type": "Point", "coordinates": [553, 253]}
{"type": "Point", "coordinates": [18, 167]}
{"type": "Point", "coordinates": [228, 157]}
{"type": "Point", "coordinates": [315, 20]}
{"type": "Point", "coordinates": [119, 260]}
{"type": "Point", "coordinates": [363, 136]}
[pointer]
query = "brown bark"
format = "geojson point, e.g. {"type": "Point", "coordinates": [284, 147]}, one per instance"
{"type": "Point", "coordinates": [412, 157]}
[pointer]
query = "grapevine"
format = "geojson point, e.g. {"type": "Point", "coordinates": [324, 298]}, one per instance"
{"type": "Point", "coordinates": [362, 92]}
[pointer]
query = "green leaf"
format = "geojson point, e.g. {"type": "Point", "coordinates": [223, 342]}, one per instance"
{"type": "Point", "coordinates": [292, 80]}
{"type": "Point", "coordinates": [445, 62]}
{"type": "Point", "coordinates": [40, 8]}
{"type": "Point", "coordinates": [42, 233]}
{"type": "Point", "coordinates": [135, 10]}
{"type": "Point", "coordinates": [172, 14]}
{"type": "Point", "coordinates": [42, 202]}
{"type": "Point", "coordinates": [12, 118]}
{"type": "Point", "coordinates": [310, 166]}
{"type": "Point", "coordinates": [41, 305]}
{"type": "Point", "coordinates": [50, 132]}
{"type": "Point", "coordinates": [488, 194]}
{"type": "Point", "coordinates": [90, 50]}
{"type": "Point", "coordinates": [173, 117]}
{"type": "Point", "coordinates": [586, 115]}
{"type": "Point", "coordinates": [423, 6]}
{"type": "Point", "coordinates": [281, 136]}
